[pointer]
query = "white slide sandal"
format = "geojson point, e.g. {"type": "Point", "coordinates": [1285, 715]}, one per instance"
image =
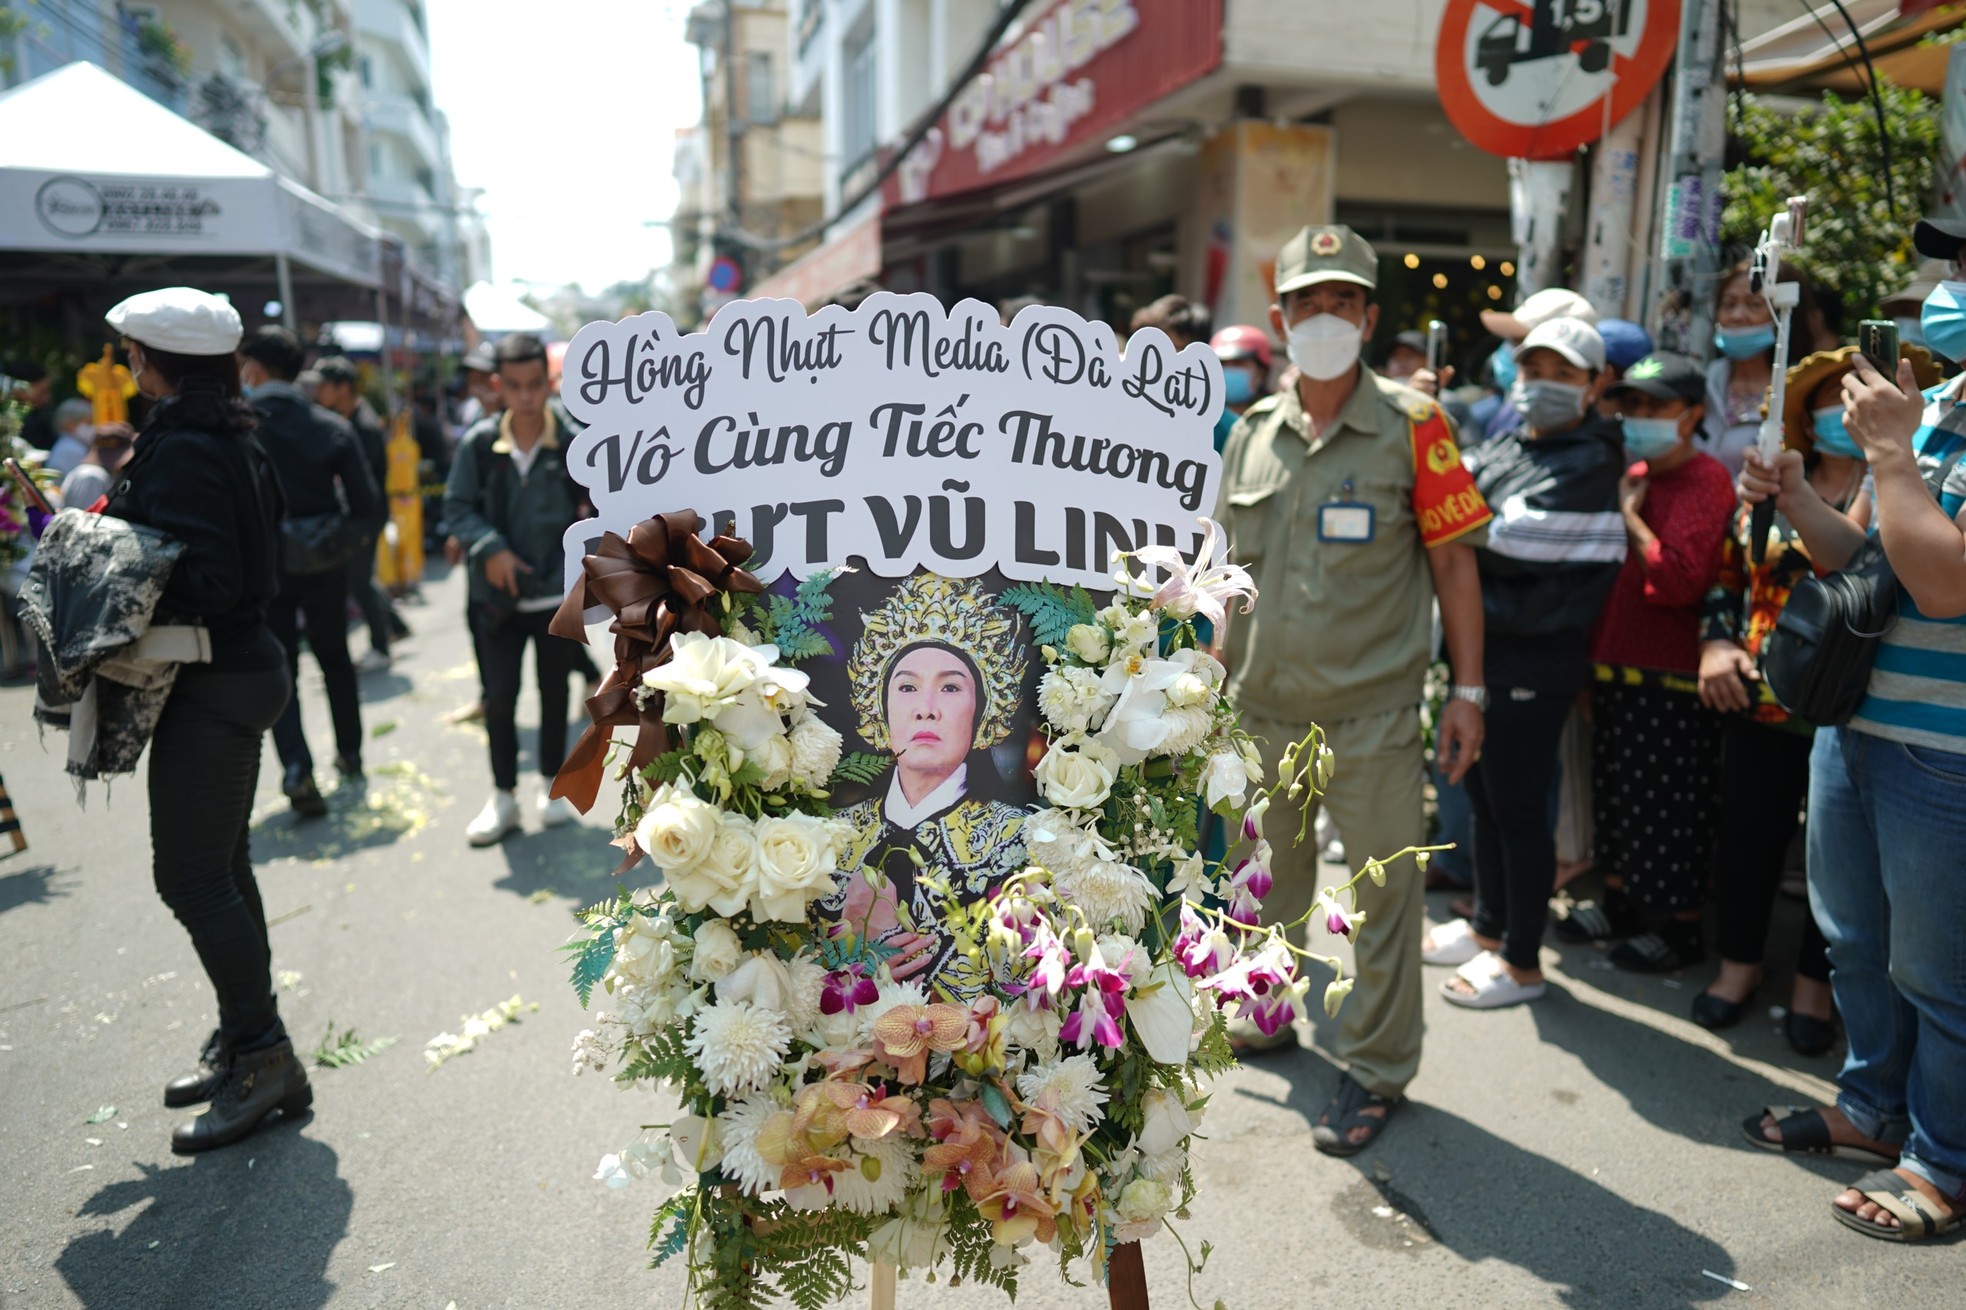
{"type": "Point", "coordinates": [1493, 988]}
{"type": "Point", "coordinates": [1451, 944]}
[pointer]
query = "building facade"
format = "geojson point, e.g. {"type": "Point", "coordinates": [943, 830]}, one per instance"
{"type": "Point", "coordinates": [752, 173]}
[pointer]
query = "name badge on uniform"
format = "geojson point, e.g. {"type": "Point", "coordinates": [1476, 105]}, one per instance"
{"type": "Point", "coordinates": [1345, 519]}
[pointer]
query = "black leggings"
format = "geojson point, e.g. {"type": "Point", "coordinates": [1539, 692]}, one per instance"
{"type": "Point", "coordinates": [501, 645]}
{"type": "Point", "coordinates": [322, 600]}
{"type": "Point", "coordinates": [1514, 841]}
{"type": "Point", "coordinates": [1653, 764]}
{"type": "Point", "coordinates": [1764, 775]}
{"type": "Point", "coordinates": [204, 769]}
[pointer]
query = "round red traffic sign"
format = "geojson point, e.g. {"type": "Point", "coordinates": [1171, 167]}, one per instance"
{"type": "Point", "coordinates": [1530, 79]}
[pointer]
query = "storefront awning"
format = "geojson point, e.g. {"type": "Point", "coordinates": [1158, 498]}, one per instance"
{"type": "Point", "coordinates": [98, 176]}
{"type": "Point", "coordinates": [1816, 51]}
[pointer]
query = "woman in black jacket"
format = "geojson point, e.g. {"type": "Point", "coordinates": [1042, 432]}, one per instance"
{"type": "Point", "coordinates": [199, 476]}
{"type": "Point", "coordinates": [1552, 555]}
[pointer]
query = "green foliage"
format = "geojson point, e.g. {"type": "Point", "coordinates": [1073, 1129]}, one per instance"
{"type": "Point", "coordinates": [1855, 247]}
{"type": "Point", "coordinates": [1213, 1054]}
{"type": "Point", "coordinates": [971, 1239]}
{"type": "Point", "coordinates": [861, 768]}
{"type": "Point", "coordinates": [676, 1213]}
{"type": "Point", "coordinates": [1052, 610]}
{"type": "Point", "coordinates": [660, 1058]}
{"type": "Point", "coordinates": [591, 959]}
{"type": "Point", "coordinates": [791, 623]}
{"type": "Point", "coordinates": [339, 1051]}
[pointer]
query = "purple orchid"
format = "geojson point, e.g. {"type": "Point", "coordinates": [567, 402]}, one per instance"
{"type": "Point", "coordinates": [847, 990]}
{"type": "Point", "coordinates": [1250, 884]}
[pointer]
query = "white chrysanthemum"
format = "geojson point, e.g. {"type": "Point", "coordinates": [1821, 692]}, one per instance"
{"type": "Point", "coordinates": [1108, 892]}
{"type": "Point", "coordinates": [1188, 726]}
{"type": "Point", "coordinates": [893, 1161]}
{"type": "Point", "coordinates": [738, 1046]}
{"type": "Point", "coordinates": [1070, 1088]}
{"type": "Point", "coordinates": [737, 1129]}
{"type": "Point", "coordinates": [816, 747]}
{"type": "Point", "coordinates": [808, 983]}
{"type": "Point", "coordinates": [1060, 845]}
{"type": "Point", "coordinates": [1072, 700]}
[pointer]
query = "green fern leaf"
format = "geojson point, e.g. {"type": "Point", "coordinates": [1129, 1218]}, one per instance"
{"type": "Point", "coordinates": [860, 768]}
{"type": "Point", "coordinates": [1052, 610]}
{"type": "Point", "coordinates": [591, 964]}
{"type": "Point", "coordinates": [676, 1213]}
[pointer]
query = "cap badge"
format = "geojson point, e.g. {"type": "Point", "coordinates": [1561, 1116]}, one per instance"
{"type": "Point", "coordinates": [1326, 244]}
{"type": "Point", "coordinates": [1646, 368]}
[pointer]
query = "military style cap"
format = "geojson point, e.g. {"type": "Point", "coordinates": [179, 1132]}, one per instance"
{"type": "Point", "coordinates": [1326, 254]}
{"type": "Point", "coordinates": [181, 320]}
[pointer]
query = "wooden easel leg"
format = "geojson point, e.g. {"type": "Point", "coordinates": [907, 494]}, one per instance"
{"type": "Point", "coordinates": [880, 1288]}
{"type": "Point", "coordinates": [1126, 1278]}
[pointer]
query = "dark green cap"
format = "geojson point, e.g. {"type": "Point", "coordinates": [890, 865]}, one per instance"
{"type": "Point", "coordinates": [1326, 254]}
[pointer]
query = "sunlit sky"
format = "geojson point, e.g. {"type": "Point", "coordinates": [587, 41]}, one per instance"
{"type": "Point", "coordinates": [566, 113]}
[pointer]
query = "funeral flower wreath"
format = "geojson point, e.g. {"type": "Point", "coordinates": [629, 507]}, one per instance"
{"type": "Point", "coordinates": [829, 1112]}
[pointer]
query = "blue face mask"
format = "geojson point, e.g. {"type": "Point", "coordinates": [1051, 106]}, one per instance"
{"type": "Point", "coordinates": [1944, 320]}
{"type": "Point", "coordinates": [1502, 365]}
{"type": "Point", "coordinates": [1744, 343]}
{"type": "Point", "coordinates": [1649, 438]}
{"type": "Point", "coordinates": [1238, 386]}
{"type": "Point", "coordinates": [1832, 438]}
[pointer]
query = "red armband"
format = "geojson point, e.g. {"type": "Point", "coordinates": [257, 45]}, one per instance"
{"type": "Point", "coordinates": [1445, 502]}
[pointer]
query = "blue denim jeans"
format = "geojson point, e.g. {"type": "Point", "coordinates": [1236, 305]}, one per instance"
{"type": "Point", "coordinates": [1887, 831]}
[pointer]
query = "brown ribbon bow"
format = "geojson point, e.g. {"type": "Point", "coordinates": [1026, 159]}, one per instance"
{"type": "Point", "coordinates": [655, 582]}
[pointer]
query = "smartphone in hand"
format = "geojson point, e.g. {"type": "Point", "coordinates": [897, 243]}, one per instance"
{"type": "Point", "coordinates": [1878, 339]}
{"type": "Point", "coordinates": [28, 490]}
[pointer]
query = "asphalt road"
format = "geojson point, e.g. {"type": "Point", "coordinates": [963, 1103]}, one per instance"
{"type": "Point", "coordinates": [1582, 1151]}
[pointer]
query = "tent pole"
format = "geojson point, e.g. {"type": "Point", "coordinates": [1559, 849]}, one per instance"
{"type": "Point", "coordinates": [388, 373]}
{"type": "Point", "coordinates": [285, 273]}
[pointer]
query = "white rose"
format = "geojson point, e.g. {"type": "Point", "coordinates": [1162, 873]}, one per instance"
{"type": "Point", "coordinates": [1089, 642]}
{"type": "Point", "coordinates": [641, 953]}
{"type": "Point", "coordinates": [764, 981]}
{"type": "Point", "coordinates": [1077, 779]}
{"type": "Point", "coordinates": [676, 829]}
{"type": "Point", "coordinates": [1167, 1121]}
{"type": "Point", "coordinates": [717, 951]}
{"type": "Point", "coordinates": [1189, 689]}
{"type": "Point", "coordinates": [703, 676]}
{"type": "Point", "coordinates": [1145, 1201]}
{"type": "Point", "coordinates": [797, 856]}
{"type": "Point", "coordinates": [774, 759]}
{"type": "Point", "coordinates": [816, 749]}
{"type": "Point", "coordinates": [724, 876]}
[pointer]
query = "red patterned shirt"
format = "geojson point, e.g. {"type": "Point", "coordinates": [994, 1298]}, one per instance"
{"type": "Point", "coordinates": [1652, 620]}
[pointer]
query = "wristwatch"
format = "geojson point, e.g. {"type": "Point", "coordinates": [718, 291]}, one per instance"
{"type": "Point", "coordinates": [1475, 696]}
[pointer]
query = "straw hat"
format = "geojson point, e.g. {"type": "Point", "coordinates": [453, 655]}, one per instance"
{"type": "Point", "coordinates": [1798, 428]}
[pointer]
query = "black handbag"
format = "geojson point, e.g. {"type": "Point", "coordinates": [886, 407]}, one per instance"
{"type": "Point", "coordinates": [317, 543]}
{"type": "Point", "coordinates": [1818, 658]}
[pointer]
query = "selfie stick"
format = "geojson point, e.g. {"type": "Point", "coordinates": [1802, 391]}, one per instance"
{"type": "Point", "coordinates": [1784, 232]}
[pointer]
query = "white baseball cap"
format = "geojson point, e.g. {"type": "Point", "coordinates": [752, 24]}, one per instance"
{"type": "Point", "coordinates": [181, 320]}
{"type": "Point", "coordinates": [1549, 303]}
{"type": "Point", "coordinates": [1572, 338]}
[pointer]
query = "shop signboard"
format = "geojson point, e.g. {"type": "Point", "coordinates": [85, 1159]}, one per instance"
{"type": "Point", "coordinates": [1536, 79]}
{"type": "Point", "coordinates": [1067, 78]}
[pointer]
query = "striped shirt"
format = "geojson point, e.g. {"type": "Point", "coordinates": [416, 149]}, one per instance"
{"type": "Point", "coordinates": [1918, 685]}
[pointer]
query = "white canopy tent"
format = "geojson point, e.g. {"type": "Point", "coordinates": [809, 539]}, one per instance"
{"type": "Point", "coordinates": [498, 311]}
{"type": "Point", "coordinates": [101, 184]}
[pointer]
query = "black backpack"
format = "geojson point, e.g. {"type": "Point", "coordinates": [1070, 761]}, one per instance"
{"type": "Point", "coordinates": [1817, 661]}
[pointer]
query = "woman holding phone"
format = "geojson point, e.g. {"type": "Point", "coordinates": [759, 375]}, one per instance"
{"type": "Point", "coordinates": [200, 477]}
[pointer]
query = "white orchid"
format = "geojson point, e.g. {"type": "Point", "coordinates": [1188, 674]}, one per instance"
{"type": "Point", "coordinates": [1203, 588]}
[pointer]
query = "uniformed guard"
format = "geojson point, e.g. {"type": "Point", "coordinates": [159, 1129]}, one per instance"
{"type": "Point", "coordinates": [1345, 496]}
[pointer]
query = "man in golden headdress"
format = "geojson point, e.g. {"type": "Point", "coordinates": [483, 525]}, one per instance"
{"type": "Point", "coordinates": [937, 678]}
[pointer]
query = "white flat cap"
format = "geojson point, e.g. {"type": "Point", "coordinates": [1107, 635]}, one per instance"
{"type": "Point", "coordinates": [182, 320]}
{"type": "Point", "coordinates": [1572, 338]}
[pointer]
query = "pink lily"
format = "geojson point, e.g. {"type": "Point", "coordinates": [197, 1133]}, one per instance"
{"type": "Point", "coordinates": [1203, 587]}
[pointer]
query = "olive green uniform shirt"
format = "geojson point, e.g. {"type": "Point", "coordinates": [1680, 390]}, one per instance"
{"type": "Point", "coordinates": [1343, 628]}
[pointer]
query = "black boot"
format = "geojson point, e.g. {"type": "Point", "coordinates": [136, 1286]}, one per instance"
{"type": "Point", "coordinates": [300, 789]}
{"type": "Point", "coordinates": [256, 1084]}
{"type": "Point", "coordinates": [197, 1088]}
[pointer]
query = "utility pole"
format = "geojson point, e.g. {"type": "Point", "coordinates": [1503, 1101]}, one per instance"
{"type": "Point", "coordinates": [733, 124]}
{"type": "Point", "coordinates": [1689, 228]}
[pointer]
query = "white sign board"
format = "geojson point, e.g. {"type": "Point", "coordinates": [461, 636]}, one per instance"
{"type": "Point", "coordinates": [906, 435]}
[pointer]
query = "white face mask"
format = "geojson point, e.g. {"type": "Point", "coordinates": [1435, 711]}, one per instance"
{"type": "Point", "coordinates": [1325, 346]}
